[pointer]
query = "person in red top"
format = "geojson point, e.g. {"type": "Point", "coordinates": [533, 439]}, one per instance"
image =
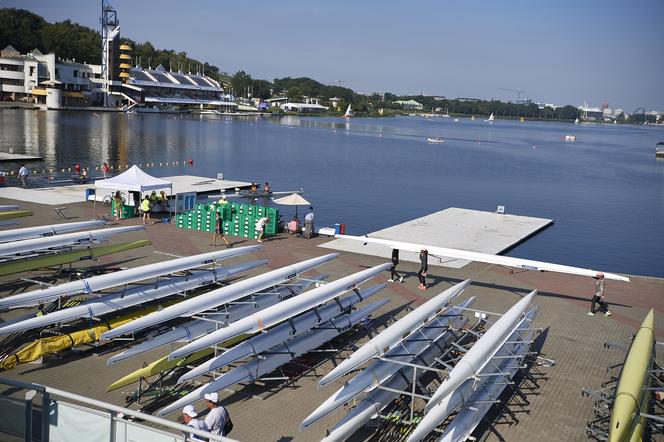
{"type": "Point", "coordinates": [105, 169]}
{"type": "Point", "coordinates": [77, 168]}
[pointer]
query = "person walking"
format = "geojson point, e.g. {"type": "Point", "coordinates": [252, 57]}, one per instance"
{"type": "Point", "coordinates": [598, 297]}
{"type": "Point", "coordinates": [189, 416]}
{"type": "Point", "coordinates": [219, 231]}
{"type": "Point", "coordinates": [309, 224]}
{"type": "Point", "coordinates": [216, 419]}
{"type": "Point", "coordinates": [424, 266]}
{"type": "Point", "coordinates": [260, 227]}
{"type": "Point", "coordinates": [145, 208]}
{"type": "Point", "coordinates": [105, 169]}
{"type": "Point", "coordinates": [393, 270]}
{"type": "Point", "coordinates": [23, 173]}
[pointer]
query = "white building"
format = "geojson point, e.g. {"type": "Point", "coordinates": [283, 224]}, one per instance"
{"type": "Point", "coordinates": [277, 101]}
{"type": "Point", "coordinates": [19, 74]}
{"type": "Point", "coordinates": [409, 104]}
{"type": "Point", "coordinates": [545, 105]}
{"type": "Point", "coordinates": [591, 113]}
{"type": "Point", "coordinates": [43, 79]}
{"type": "Point", "coordinates": [334, 102]}
{"type": "Point", "coordinates": [303, 107]}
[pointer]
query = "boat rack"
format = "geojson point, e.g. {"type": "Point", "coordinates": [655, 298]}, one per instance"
{"type": "Point", "coordinates": [160, 388]}
{"type": "Point", "coordinates": [399, 419]}
{"type": "Point", "coordinates": [289, 373]}
{"type": "Point", "coordinates": [598, 428]}
{"type": "Point", "coordinates": [161, 392]}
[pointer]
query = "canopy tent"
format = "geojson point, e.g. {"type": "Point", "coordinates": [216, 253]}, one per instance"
{"type": "Point", "coordinates": [134, 180]}
{"type": "Point", "coordinates": [292, 200]}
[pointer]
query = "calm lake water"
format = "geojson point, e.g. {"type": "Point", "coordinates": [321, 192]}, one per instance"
{"type": "Point", "coordinates": [605, 191]}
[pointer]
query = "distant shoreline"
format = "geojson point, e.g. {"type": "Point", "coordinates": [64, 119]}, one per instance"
{"type": "Point", "coordinates": [392, 114]}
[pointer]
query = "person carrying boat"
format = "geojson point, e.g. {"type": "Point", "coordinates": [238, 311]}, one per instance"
{"type": "Point", "coordinates": [254, 188]}
{"type": "Point", "coordinates": [393, 270]}
{"type": "Point", "coordinates": [189, 416]}
{"type": "Point", "coordinates": [598, 297]}
{"type": "Point", "coordinates": [219, 231]}
{"type": "Point", "coordinates": [424, 266]}
{"type": "Point", "coordinates": [266, 187]}
{"type": "Point", "coordinates": [217, 420]}
{"type": "Point", "coordinates": [145, 208]}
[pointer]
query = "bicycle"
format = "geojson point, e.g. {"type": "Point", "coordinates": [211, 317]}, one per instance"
{"type": "Point", "coordinates": [108, 199]}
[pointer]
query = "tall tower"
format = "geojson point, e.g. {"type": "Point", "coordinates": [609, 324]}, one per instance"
{"type": "Point", "coordinates": [110, 40]}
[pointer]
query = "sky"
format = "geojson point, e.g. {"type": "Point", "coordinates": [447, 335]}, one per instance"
{"type": "Point", "coordinates": [559, 52]}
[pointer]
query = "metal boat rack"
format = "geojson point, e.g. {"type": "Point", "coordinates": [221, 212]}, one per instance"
{"type": "Point", "coordinates": [282, 377]}
{"type": "Point", "coordinates": [598, 428]}
{"type": "Point", "coordinates": [398, 420]}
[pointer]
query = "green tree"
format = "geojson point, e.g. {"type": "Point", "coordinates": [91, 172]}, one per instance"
{"type": "Point", "coordinates": [70, 40]}
{"type": "Point", "coordinates": [262, 89]}
{"type": "Point", "coordinates": [21, 29]}
{"type": "Point", "coordinates": [295, 94]}
{"type": "Point", "coordinates": [240, 83]}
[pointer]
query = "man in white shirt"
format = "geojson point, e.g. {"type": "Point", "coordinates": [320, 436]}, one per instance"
{"type": "Point", "coordinates": [309, 224]}
{"type": "Point", "coordinates": [189, 416]}
{"type": "Point", "coordinates": [260, 227]}
{"type": "Point", "coordinates": [23, 173]}
{"type": "Point", "coordinates": [216, 418]}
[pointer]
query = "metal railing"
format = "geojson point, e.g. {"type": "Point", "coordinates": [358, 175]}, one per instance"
{"type": "Point", "coordinates": [40, 417]}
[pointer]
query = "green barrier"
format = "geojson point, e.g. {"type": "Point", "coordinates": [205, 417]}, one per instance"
{"type": "Point", "coordinates": [238, 219]}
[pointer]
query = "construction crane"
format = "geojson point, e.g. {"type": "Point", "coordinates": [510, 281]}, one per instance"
{"type": "Point", "coordinates": [518, 93]}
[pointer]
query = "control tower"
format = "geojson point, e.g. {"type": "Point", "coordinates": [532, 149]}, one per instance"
{"type": "Point", "coordinates": [110, 56]}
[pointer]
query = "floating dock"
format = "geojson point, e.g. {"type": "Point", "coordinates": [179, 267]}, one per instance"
{"type": "Point", "coordinates": [455, 228]}
{"type": "Point", "coordinates": [6, 157]}
{"type": "Point", "coordinates": [75, 193]}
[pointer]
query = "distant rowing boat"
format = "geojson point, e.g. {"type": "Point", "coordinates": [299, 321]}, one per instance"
{"type": "Point", "coordinates": [435, 140]}
{"type": "Point", "coordinates": [250, 194]}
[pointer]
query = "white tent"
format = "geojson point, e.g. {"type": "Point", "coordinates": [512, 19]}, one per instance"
{"type": "Point", "coordinates": [134, 179]}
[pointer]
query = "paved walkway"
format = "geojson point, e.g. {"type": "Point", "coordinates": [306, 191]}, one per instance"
{"type": "Point", "coordinates": [556, 413]}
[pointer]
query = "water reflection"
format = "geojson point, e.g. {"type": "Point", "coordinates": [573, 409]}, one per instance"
{"type": "Point", "coordinates": [604, 191]}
